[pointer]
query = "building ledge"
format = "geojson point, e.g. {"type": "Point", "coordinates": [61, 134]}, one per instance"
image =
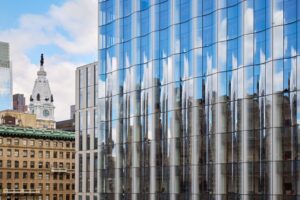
{"type": "Point", "coordinates": [59, 170]}
{"type": "Point", "coordinates": [21, 191]}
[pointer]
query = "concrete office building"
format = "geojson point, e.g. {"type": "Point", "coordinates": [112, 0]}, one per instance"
{"type": "Point", "coordinates": [36, 164]}
{"type": "Point", "coordinates": [86, 137]}
{"type": "Point", "coordinates": [198, 99]}
{"type": "Point", "coordinates": [5, 77]}
{"type": "Point", "coordinates": [19, 103]}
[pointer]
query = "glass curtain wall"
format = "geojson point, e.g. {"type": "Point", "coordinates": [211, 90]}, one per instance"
{"type": "Point", "coordinates": [199, 99]}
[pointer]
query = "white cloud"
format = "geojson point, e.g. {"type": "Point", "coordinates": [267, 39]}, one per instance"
{"type": "Point", "coordinates": [70, 27]}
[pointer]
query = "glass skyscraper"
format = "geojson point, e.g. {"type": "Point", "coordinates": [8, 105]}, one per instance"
{"type": "Point", "coordinates": [199, 99]}
{"type": "Point", "coordinates": [5, 77]}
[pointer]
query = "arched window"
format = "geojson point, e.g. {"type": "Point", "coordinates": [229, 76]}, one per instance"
{"type": "Point", "coordinates": [52, 98]}
{"type": "Point", "coordinates": [38, 97]}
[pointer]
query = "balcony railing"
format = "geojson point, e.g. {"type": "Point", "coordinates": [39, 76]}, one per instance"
{"type": "Point", "coordinates": [59, 170]}
{"type": "Point", "coordinates": [21, 191]}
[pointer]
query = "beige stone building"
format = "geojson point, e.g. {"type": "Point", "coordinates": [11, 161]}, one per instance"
{"type": "Point", "coordinates": [36, 164]}
{"type": "Point", "coordinates": [16, 118]}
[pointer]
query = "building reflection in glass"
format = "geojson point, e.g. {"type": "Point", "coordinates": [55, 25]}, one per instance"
{"type": "Point", "coordinates": [199, 99]}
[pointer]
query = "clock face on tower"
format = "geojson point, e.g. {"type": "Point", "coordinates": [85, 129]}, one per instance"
{"type": "Point", "coordinates": [46, 113]}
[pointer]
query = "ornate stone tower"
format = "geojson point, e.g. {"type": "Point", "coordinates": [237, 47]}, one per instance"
{"type": "Point", "coordinates": [41, 100]}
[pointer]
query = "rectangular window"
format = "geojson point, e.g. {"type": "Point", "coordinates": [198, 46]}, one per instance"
{"type": "Point", "coordinates": [16, 164]}
{"type": "Point", "coordinates": [8, 153]}
{"type": "Point", "coordinates": [16, 153]}
{"type": "Point", "coordinates": [8, 164]}
{"type": "Point", "coordinates": [24, 164]}
{"type": "Point", "coordinates": [16, 142]}
{"type": "Point", "coordinates": [25, 153]}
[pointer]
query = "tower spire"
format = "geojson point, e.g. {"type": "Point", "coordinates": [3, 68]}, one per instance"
{"type": "Point", "coordinates": [42, 60]}
{"type": "Point", "coordinates": [42, 72]}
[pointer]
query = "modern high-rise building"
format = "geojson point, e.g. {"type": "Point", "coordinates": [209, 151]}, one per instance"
{"type": "Point", "coordinates": [85, 128]}
{"type": "Point", "coordinates": [5, 77]}
{"type": "Point", "coordinates": [198, 99]}
{"type": "Point", "coordinates": [19, 103]}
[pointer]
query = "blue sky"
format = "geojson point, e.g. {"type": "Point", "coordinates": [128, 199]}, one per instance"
{"type": "Point", "coordinates": [12, 10]}
{"type": "Point", "coordinates": [64, 30]}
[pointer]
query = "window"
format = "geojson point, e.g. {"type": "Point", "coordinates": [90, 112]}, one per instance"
{"type": "Point", "coordinates": [68, 155]}
{"type": "Point", "coordinates": [1, 175]}
{"type": "Point", "coordinates": [40, 154]}
{"type": "Point", "coordinates": [8, 153]}
{"type": "Point", "coordinates": [16, 153]}
{"type": "Point", "coordinates": [47, 154]}
{"type": "Point", "coordinates": [16, 142]}
{"type": "Point", "coordinates": [8, 164]}
{"type": "Point", "coordinates": [68, 144]}
{"type": "Point", "coordinates": [32, 175]}
{"type": "Point", "coordinates": [40, 175]}
{"type": "Point", "coordinates": [61, 155]}
{"type": "Point", "coordinates": [24, 142]}
{"type": "Point", "coordinates": [24, 175]}
{"type": "Point", "coordinates": [31, 142]}
{"type": "Point", "coordinates": [8, 175]}
{"type": "Point", "coordinates": [55, 186]}
{"type": "Point", "coordinates": [47, 143]}
{"type": "Point", "coordinates": [61, 144]}
{"type": "Point", "coordinates": [1, 152]}
{"type": "Point", "coordinates": [16, 164]}
{"type": "Point", "coordinates": [47, 165]}
{"type": "Point", "coordinates": [24, 164]}
{"type": "Point", "coordinates": [0, 163]}
{"type": "Point", "coordinates": [40, 143]}
{"type": "Point", "coordinates": [8, 141]}
{"type": "Point", "coordinates": [40, 165]}
{"type": "Point", "coordinates": [32, 153]}
{"type": "Point", "coordinates": [54, 154]}
{"type": "Point", "coordinates": [47, 176]}
{"type": "Point", "coordinates": [55, 144]}
{"type": "Point", "coordinates": [25, 153]}
{"type": "Point", "coordinates": [16, 175]}
{"type": "Point", "coordinates": [47, 186]}
{"type": "Point", "coordinates": [31, 164]}
{"type": "Point", "coordinates": [1, 140]}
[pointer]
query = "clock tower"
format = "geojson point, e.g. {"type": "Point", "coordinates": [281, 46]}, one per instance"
{"type": "Point", "coordinates": [41, 99]}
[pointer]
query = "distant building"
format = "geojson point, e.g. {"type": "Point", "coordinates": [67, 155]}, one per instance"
{"type": "Point", "coordinates": [5, 77]}
{"type": "Point", "coordinates": [86, 137]}
{"type": "Point", "coordinates": [72, 112]}
{"type": "Point", "coordinates": [69, 124]}
{"type": "Point", "coordinates": [19, 103]}
{"type": "Point", "coordinates": [25, 120]}
{"type": "Point", "coordinates": [66, 125]}
{"type": "Point", "coordinates": [36, 164]}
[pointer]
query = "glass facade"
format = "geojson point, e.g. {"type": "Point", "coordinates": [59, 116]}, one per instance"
{"type": "Point", "coordinates": [5, 78]}
{"type": "Point", "coordinates": [199, 99]}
